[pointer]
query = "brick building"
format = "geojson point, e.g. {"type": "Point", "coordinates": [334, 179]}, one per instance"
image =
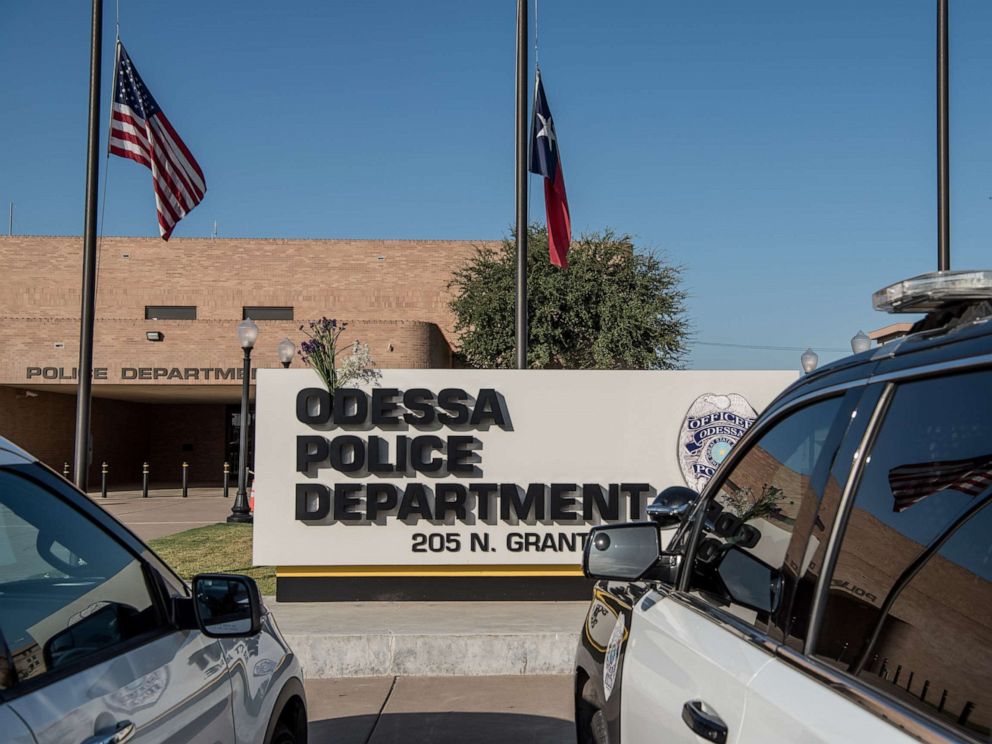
{"type": "Point", "coordinates": [177, 399]}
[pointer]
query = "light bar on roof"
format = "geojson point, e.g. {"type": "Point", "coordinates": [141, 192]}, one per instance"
{"type": "Point", "coordinates": [928, 292]}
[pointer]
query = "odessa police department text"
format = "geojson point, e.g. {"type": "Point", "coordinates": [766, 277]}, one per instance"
{"type": "Point", "coordinates": [413, 448]}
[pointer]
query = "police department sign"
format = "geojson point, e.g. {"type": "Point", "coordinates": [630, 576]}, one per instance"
{"type": "Point", "coordinates": [444, 470]}
{"type": "Point", "coordinates": [711, 427]}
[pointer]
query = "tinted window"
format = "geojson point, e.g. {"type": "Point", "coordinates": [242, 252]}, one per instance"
{"type": "Point", "coordinates": [741, 559]}
{"type": "Point", "coordinates": [267, 313]}
{"type": "Point", "coordinates": [170, 312]}
{"type": "Point", "coordinates": [67, 589]}
{"type": "Point", "coordinates": [910, 603]}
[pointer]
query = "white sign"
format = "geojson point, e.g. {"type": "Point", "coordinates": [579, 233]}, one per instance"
{"type": "Point", "coordinates": [459, 467]}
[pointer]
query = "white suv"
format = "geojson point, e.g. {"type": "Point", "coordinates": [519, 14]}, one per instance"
{"type": "Point", "coordinates": [833, 582]}
{"type": "Point", "coordinates": [101, 643]}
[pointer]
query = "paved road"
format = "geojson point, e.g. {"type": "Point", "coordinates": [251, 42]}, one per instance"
{"type": "Point", "coordinates": [441, 710]}
{"type": "Point", "coordinates": [165, 511]}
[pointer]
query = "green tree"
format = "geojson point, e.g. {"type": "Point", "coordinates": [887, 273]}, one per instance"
{"type": "Point", "coordinates": [613, 308]}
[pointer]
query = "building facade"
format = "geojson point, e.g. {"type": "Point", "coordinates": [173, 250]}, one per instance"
{"type": "Point", "coordinates": [176, 399]}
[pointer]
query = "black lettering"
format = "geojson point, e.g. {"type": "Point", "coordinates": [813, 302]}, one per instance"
{"type": "Point", "coordinates": [34, 372]}
{"type": "Point", "coordinates": [339, 445]}
{"type": "Point", "coordinates": [561, 504]}
{"type": "Point", "coordinates": [415, 502]}
{"type": "Point", "coordinates": [129, 373]}
{"type": "Point", "coordinates": [607, 506]}
{"type": "Point", "coordinates": [635, 490]}
{"type": "Point", "coordinates": [419, 400]}
{"type": "Point", "coordinates": [175, 374]}
{"type": "Point", "coordinates": [313, 495]}
{"type": "Point", "coordinates": [402, 453]}
{"type": "Point", "coordinates": [50, 373]}
{"type": "Point", "coordinates": [379, 497]}
{"type": "Point", "coordinates": [483, 497]}
{"type": "Point", "coordinates": [159, 372]}
{"type": "Point", "coordinates": [144, 373]}
{"type": "Point", "coordinates": [313, 406]}
{"type": "Point", "coordinates": [226, 374]}
{"type": "Point", "coordinates": [450, 497]}
{"type": "Point", "coordinates": [343, 398]}
{"type": "Point", "coordinates": [488, 409]}
{"type": "Point", "coordinates": [207, 371]}
{"type": "Point", "coordinates": [420, 450]}
{"type": "Point", "coordinates": [450, 399]}
{"type": "Point", "coordinates": [513, 542]}
{"type": "Point", "coordinates": [385, 407]}
{"type": "Point", "coordinates": [460, 449]}
{"type": "Point", "coordinates": [100, 373]}
{"type": "Point", "coordinates": [345, 502]}
{"type": "Point", "coordinates": [378, 455]}
{"type": "Point", "coordinates": [531, 504]}
{"type": "Point", "coordinates": [310, 450]}
{"type": "Point", "coordinates": [191, 373]}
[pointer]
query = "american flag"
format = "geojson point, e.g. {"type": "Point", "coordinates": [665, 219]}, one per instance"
{"type": "Point", "coordinates": [140, 131]}
{"type": "Point", "coordinates": [911, 484]}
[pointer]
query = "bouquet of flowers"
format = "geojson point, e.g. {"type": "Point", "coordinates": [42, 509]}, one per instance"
{"type": "Point", "coordinates": [320, 351]}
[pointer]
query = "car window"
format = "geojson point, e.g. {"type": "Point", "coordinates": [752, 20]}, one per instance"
{"type": "Point", "coordinates": [741, 557]}
{"type": "Point", "coordinates": [910, 604]}
{"type": "Point", "coordinates": [68, 590]}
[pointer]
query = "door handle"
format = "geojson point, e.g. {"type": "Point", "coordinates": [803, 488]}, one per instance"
{"type": "Point", "coordinates": [704, 721]}
{"type": "Point", "coordinates": [121, 733]}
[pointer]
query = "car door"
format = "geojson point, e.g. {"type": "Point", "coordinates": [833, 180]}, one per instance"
{"type": "Point", "coordinates": [904, 646]}
{"type": "Point", "coordinates": [87, 632]}
{"type": "Point", "coordinates": [693, 652]}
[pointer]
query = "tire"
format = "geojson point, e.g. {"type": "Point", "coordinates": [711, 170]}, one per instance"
{"type": "Point", "coordinates": [283, 734]}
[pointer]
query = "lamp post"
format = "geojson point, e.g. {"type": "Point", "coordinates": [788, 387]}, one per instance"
{"type": "Point", "coordinates": [860, 342]}
{"type": "Point", "coordinates": [286, 350]}
{"type": "Point", "coordinates": [809, 360]}
{"type": "Point", "coordinates": [240, 511]}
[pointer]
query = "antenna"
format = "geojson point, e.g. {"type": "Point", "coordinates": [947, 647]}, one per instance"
{"type": "Point", "coordinates": [10, 221]}
{"type": "Point", "coordinates": [214, 235]}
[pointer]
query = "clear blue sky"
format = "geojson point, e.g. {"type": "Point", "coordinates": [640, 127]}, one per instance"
{"type": "Point", "coordinates": [782, 152]}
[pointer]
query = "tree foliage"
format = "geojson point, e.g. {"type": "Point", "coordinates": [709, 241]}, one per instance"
{"type": "Point", "coordinates": [613, 308]}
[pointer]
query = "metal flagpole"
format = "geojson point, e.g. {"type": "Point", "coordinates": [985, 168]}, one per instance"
{"type": "Point", "coordinates": [87, 311]}
{"type": "Point", "coordinates": [521, 173]}
{"type": "Point", "coordinates": [943, 144]}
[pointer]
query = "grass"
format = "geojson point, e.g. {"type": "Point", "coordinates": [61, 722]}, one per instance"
{"type": "Point", "coordinates": [216, 548]}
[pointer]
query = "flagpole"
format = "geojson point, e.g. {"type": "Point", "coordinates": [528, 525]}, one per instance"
{"type": "Point", "coordinates": [943, 144]}
{"type": "Point", "coordinates": [521, 173]}
{"type": "Point", "coordinates": [84, 376]}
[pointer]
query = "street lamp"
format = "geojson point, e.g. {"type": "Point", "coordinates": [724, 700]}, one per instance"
{"type": "Point", "coordinates": [861, 342]}
{"type": "Point", "coordinates": [240, 511]}
{"type": "Point", "coordinates": [809, 360]}
{"type": "Point", "coordinates": [286, 349]}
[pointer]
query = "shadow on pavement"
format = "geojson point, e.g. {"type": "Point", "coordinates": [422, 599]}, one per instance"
{"type": "Point", "coordinates": [443, 728]}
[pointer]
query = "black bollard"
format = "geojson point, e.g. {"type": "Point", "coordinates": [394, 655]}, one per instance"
{"type": "Point", "coordinates": [895, 679]}
{"type": "Point", "coordinates": [963, 718]}
{"type": "Point", "coordinates": [185, 479]}
{"type": "Point", "coordinates": [227, 477]}
{"type": "Point", "coordinates": [909, 682]}
{"type": "Point", "coordinates": [144, 481]}
{"type": "Point", "coordinates": [926, 689]}
{"type": "Point", "coordinates": [943, 701]}
{"type": "Point", "coordinates": [103, 480]}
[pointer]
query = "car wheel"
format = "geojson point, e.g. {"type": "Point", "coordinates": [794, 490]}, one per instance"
{"type": "Point", "coordinates": [283, 734]}
{"type": "Point", "coordinates": [591, 722]}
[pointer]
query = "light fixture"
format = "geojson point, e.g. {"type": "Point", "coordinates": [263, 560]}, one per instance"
{"type": "Point", "coordinates": [247, 333]}
{"type": "Point", "coordinates": [860, 343]}
{"type": "Point", "coordinates": [155, 335]}
{"type": "Point", "coordinates": [286, 350]}
{"type": "Point", "coordinates": [809, 360]}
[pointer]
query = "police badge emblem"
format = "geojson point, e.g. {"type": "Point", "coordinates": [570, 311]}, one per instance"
{"type": "Point", "coordinates": [711, 427]}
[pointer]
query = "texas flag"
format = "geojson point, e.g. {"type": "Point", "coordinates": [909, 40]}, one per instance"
{"type": "Point", "coordinates": [545, 160]}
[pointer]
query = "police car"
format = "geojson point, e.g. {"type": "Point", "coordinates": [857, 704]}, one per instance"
{"type": "Point", "coordinates": [833, 581]}
{"type": "Point", "coordinates": [101, 643]}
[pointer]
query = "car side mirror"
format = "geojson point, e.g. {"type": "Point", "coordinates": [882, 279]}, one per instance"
{"type": "Point", "coordinates": [227, 605]}
{"type": "Point", "coordinates": [671, 507]}
{"type": "Point", "coordinates": [622, 552]}
{"type": "Point", "coordinates": [750, 582]}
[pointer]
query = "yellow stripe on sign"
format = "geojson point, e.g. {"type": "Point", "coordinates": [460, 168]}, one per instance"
{"type": "Point", "coordinates": [473, 570]}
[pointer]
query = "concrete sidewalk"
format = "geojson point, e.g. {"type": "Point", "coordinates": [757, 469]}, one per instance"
{"type": "Point", "coordinates": [370, 639]}
{"type": "Point", "coordinates": [415, 710]}
{"type": "Point", "coordinates": [165, 511]}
